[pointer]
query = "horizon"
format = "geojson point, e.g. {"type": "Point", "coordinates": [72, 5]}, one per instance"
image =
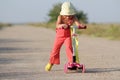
{"type": "Point", "coordinates": [25, 11]}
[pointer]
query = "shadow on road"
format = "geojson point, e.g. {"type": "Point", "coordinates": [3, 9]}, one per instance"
{"type": "Point", "coordinates": [18, 50]}
{"type": "Point", "coordinates": [18, 46]}
{"type": "Point", "coordinates": [17, 74]}
{"type": "Point", "coordinates": [101, 70]}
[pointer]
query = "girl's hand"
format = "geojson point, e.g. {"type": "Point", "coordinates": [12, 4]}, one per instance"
{"type": "Point", "coordinates": [82, 26]}
{"type": "Point", "coordinates": [64, 26]}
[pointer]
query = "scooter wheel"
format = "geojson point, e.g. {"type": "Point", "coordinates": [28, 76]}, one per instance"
{"type": "Point", "coordinates": [83, 68]}
{"type": "Point", "coordinates": [65, 68]}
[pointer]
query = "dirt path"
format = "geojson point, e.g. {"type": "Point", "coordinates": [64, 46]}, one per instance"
{"type": "Point", "coordinates": [24, 51]}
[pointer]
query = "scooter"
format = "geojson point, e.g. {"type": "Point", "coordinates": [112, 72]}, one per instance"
{"type": "Point", "coordinates": [76, 61]}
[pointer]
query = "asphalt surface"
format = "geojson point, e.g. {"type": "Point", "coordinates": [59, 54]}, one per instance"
{"type": "Point", "coordinates": [24, 52]}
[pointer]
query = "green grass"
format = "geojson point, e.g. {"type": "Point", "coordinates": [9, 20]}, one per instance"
{"type": "Point", "coordinates": [110, 31]}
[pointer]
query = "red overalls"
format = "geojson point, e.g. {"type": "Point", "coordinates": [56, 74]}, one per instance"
{"type": "Point", "coordinates": [62, 36]}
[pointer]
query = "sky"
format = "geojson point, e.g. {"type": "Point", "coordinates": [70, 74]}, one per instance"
{"type": "Point", "coordinates": [24, 11]}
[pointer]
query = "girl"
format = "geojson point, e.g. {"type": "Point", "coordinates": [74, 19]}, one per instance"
{"type": "Point", "coordinates": [63, 35]}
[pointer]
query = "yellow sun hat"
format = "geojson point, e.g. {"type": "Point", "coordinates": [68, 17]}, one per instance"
{"type": "Point", "coordinates": [67, 9]}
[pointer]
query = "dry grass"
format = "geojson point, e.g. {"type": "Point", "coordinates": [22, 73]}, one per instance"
{"type": "Point", "coordinates": [110, 31]}
{"type": "Point", "coordinates": [2, 25]}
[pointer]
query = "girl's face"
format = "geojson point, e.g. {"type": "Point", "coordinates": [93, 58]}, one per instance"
{"type": "Point", "coordinates": [68, 19]}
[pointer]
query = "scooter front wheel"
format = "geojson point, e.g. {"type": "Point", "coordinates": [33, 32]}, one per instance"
{"type": "Point", "coordinates": [66, 68]}
{"type": "Point", "coordinates": [83, 68]}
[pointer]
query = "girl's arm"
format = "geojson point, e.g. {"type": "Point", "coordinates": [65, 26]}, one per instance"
{"type": "Point", "coordinates": [59, 23]}
{"type": "Point", "coordinates": [79, 25]}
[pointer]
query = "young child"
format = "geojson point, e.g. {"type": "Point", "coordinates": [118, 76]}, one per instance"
{"type": "Point", "coordinates": [63, 35]}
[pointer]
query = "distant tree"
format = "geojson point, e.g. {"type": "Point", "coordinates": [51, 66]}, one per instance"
{"type": "Point", "coordinates": [82, 16]}
{"type": "Point", "coordinates": [55, 11]}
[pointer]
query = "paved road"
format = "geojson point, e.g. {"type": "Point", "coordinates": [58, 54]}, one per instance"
{"type": "Point", "coordinates": [24, 51]}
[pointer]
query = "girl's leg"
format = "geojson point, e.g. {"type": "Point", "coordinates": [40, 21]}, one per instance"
{"type": "Point", "coordinates": [69, 51]}
{"type": "Point", "coordinates": [55, 53]}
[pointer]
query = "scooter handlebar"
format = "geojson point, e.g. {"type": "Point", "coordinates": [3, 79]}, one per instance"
{"type": "Point", "coordinates": [79, 27]}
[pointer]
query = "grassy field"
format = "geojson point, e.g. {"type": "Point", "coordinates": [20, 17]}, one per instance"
{"type": "Point", "coordinates": [2, 25]}
{"type": "Point", "coordinates": [109, 31]}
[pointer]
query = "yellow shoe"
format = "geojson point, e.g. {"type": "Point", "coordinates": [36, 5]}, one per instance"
{"type": "Point", "coordinates": [48, 67]}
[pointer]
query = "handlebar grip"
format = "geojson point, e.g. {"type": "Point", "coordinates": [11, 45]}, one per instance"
{"type": "Point", "coordinates": [79, 27]}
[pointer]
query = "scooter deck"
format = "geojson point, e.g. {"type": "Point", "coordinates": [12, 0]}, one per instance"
{"type": "Point", "coordinates": [74, 69]}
